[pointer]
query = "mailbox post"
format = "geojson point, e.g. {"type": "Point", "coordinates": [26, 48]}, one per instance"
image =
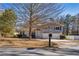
{"type": "Point", "coordinates": [50, 36]}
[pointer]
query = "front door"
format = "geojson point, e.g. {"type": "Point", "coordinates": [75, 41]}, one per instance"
{"type": "Point", "coordinates": [33, 35]}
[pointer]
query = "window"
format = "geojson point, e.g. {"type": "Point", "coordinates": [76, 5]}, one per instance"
{"type": "Point", "coordinates": [57, 28]}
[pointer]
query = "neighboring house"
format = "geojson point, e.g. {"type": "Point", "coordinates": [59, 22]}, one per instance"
{"type": "Point", "coordinates": [1, 11]}
{"type": "Point", "coordinates": [41, 29]}
{"type": "Point", "coordinates": [74, 28]}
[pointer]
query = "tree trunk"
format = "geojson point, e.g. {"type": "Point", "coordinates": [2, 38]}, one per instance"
{"type": "Point", "coordinates": [67, 29]}
{"type": "Point", "coordinates": [77, 29]}
{"type": "Point", "coordinates": [30, 23]}
{"type": "Point", "coordinates": [30, 30]}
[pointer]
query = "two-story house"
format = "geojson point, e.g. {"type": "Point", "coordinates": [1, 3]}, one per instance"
{"type": "Point", "coordinates": [41, 29]}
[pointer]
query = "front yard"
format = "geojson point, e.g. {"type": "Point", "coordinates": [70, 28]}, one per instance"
{"type": "Point", "coordinates": [37, 47]}
{"type": "Point", "coordinates": [36, 43]}
{"type": "Point", "coordinates": [22, 43]}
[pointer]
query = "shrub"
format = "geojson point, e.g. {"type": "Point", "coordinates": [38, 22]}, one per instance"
{"type": "Point", "coordinates": [62, 37]}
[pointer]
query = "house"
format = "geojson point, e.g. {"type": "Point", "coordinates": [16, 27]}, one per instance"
{"type": "Point", "coordinates": [55, 28]}
{"type": "Point", "coordinates": [73, 28]}
{"type": "Point", "coordinates": [1, 11]}
{"type": "Point", "coordinates": [41, 29]}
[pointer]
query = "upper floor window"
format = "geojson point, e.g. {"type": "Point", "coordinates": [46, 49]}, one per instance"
{"type": "Point", "coordinates": [57, 28]}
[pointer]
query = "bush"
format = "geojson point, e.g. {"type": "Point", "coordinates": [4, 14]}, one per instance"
{"type": "Point", "coordinates": [62, 37]}
{"type": "Point", "coordinates": [7, 35]}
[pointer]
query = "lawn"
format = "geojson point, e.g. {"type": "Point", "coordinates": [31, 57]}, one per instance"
{"type": "Point", "coordinates": [16, 42]}
{"type": "Point", "coordinates": [25, 43]}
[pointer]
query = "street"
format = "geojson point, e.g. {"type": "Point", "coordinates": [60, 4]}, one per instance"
{"type": "Point", "coordinates": [38, 52]}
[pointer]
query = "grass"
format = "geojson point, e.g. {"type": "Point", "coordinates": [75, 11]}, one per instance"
{"type": "Point", "coordinates": [25, 43]}
{"type": "Point", "coordinates": [18, 43]}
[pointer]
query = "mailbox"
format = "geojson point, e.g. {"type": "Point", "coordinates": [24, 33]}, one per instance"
{"type": "Point", "coordinates": [50, 35]}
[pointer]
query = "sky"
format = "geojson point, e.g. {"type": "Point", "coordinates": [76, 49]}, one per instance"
{"type": "Point", "coordinates": [70, 8]}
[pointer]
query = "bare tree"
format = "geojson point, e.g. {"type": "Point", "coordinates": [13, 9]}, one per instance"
{"type": "Point", "coordinates": [37, 11]}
